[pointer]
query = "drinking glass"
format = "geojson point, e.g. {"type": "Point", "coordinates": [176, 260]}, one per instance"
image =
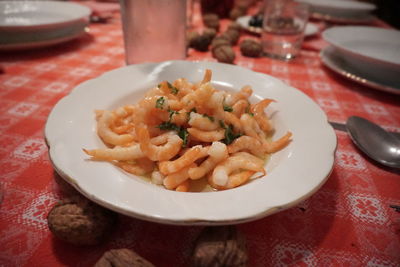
{"type": "Point", "coordinates": [154, 30]}
{"type": "Point", "coordinates": [283, 28]}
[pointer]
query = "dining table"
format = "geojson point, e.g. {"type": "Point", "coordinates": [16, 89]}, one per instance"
{"type": "Point", "coordinates": [352, 220]}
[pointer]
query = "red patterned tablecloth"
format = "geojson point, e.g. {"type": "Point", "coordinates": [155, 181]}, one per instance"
{"type": "Point", "coordinates": [348, 222]}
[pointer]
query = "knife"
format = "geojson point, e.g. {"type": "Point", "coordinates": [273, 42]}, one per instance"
{"type": "Point", "coordinates": [342, 127]}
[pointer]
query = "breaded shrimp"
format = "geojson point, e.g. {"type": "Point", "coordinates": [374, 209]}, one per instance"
{"type": "Point", "coordinates": [158, 153]}
{"type": "Point", "coordinates": [105, 132]}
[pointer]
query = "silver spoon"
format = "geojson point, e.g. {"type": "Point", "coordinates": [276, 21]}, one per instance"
{"type": "Point", "coordinates": [374, 141]}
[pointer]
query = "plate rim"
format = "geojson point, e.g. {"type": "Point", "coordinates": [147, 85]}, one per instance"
{"type": "Point", "coordinates": [84, 14]}
{"type": "Point", "coordinates": [45, 42]}
{"type": "Point", "coordinates": [332, 42]}
{"type": "Point", "coordinates": [324, 55]}
{"type": "Point", "coordinates": [198, 221]}
{"type": "Point", "coordinates": [360, 6]}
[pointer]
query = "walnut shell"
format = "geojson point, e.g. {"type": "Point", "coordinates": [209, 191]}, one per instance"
{"type": "Point", "coordinates": [232, 35]}
{"type": "Point", "coordinates": [250, 48]}
{"type": "Point", "coordinates": [220, 40]}
{"type": "Point", "coordinates": [122, 258]}
{"type": "Point", "coordinates": [79, 221]}
{"type": "Point", "coordinates": [224, 53]}
{"type": "Point", "coordinates": [219, 246]}
{"type": "Point", "coordinates": [200, 42]}
{"type": "Point", "coordinates": [190, 36]}
{"type": "Point", "coordinates": [210, 33]}
{"type": "Point", "coordinates": [234, 26]}
{"type": "Point", "coordinates": [211, 21]}
{"type": "Point", "coordinates": [236, 13]}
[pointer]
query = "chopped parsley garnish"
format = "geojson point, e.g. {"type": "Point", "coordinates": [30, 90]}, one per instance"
{"type": "Point", "coordinates": [160, 102]}
{"type": "Point", "coordinates": [230, 135]}
{"type": "Point", "coordinates": [209, 117]}
{"type": "Point", "coordinates": [228, 108]}
{"type": "Point", "coordinates": [183, 134]}
{"type": "Point", "coordinates": [174, 90]}
{"type": "Point", "coordinates": [169, 126]}
{"type": "Point", "coordinates": [172, 112]}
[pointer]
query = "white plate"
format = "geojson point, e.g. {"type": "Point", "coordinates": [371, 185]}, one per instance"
{"type": "Point", "coordinates": [33, 24]}
{"type": "Point", "coordinates": [339, 63]}
{"type": "Point", "coordinates": [34, 15]}
{"type": "Point", "coordinates": [340, 8]}
{"type": "Point", "coordinates": [292, 176]}
{"type": "Point", "coordinates": [374, 51]}
{"type": "Point", "coordinates": [310, 30]}
{"type": "Point", "coordinates": [42, 39]}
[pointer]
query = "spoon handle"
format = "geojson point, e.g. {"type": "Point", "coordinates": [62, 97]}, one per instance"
{"type": "Point", "coordinates": [342, 127]}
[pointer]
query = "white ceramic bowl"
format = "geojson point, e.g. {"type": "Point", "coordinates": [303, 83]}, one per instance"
{"type": "Point", "coordinates": [373, 51]}
{"type": "Point", "coordinates": [293, 174]}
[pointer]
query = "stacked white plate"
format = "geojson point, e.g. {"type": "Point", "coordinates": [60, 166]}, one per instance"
{"type": "Point", "coordinates": [368, 55]}
{"type": "Point", "coordinates": [341, 11]}
{"type": "Point", "coordinates": [32, 24]}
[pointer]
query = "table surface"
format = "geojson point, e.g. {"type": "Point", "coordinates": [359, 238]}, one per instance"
{"type": "Point", "coordinates": [348, 222]}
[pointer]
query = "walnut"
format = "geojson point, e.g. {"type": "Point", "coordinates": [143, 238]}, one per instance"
{"type": "Point", "coordinates": [219, 246]}
{"type": "Point", "coordinates": [79, 221]}
{"type": "Point", "coordinates": [232, 35]}
{"type": "Point", "coordinates": [211, 21]}
{"type": "Point", "coordinates": [234, 26]}
{"type": "Point", "coordinates": [122, 258]}
{"type": "Point", "coordinates": [224, 53]}
{"type": "Point", "coordinates": [220, 40]}
{"type": "Point", "coordinates": [190, 36]}
{"type": "Point", "coordinates": [236, 12]}
{"type": "Point", "coordinates": [200, 42]}
{"type": "Point", "coordinates": [210, 33]}
{"type": "Point", "coordinates": [250, 48]}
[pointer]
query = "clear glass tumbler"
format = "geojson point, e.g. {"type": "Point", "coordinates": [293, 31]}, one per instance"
{"type": "Point", "coordinates": [283, 28]}
{"type": "Point", "coordinates": [154, 30]}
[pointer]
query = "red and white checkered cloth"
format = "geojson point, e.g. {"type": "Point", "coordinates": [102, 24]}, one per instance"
{"type": "Point", "coordinates": [348, 222]}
